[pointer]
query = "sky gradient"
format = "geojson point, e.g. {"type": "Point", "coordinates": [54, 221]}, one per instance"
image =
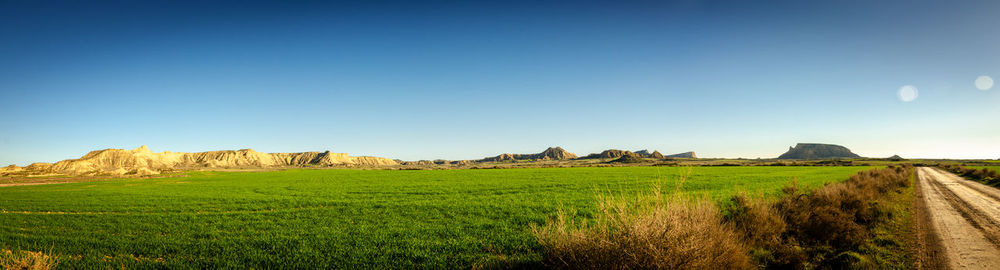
{"type": "Point", "coordinates": [467, 79]}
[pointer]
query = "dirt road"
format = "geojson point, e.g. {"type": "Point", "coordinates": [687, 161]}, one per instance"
{"type": "Point", "coordinates": [965, 217]}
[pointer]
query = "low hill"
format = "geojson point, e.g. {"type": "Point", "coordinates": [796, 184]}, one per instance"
{"type": "Point", "coordinates": [552, 153]}
{"type": "Point", "coordinates": [142, 161]}
{"type": "Point", "coordinates": [615, 153]}
{"type": "Point", "coordinates": [817, 151]}
{"type": "Point", "coordinates": [627, 159]}
{"type": "Point", "coordinates": [612, 153]}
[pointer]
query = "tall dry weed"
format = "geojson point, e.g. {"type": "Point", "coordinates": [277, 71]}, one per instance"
{"type": "Point", "coordinates": [26, 260]}
{"type": "Point", "coordinates": [649, 231]}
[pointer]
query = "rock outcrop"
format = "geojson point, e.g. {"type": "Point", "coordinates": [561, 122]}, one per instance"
{"type": "Point", "coordinates": [817, 151]}
{"type": "Point", "coordinates": [143, 161]}
{"type": "Point", "coordinates": [552, 153]}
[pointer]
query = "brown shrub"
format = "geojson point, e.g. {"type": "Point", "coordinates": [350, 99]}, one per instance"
{"type": "Point", "coordinates": [763, 229]}
{"type": "Point", "coordinates": [27, 260]}
{"type": "Point", "coordinates": [834, 221]}
{"type": "Point", "coordinates": [651, 232]}
{"type": "Point", "coordinates": [755, 218]}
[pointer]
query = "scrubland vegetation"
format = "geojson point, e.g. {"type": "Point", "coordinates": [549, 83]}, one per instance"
{"type": "Point", "coordinates": [986, 175]}
{"type": "Point", "coordinates": [839, 225]}
{"type": "Point", "coordinates": [345, 218]}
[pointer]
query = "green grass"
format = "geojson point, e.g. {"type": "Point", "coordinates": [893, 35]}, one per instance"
{"type": "Point", "coordinates": [893, 244]}
{"type": "Point", "coordinates": [995, 168]}
{"type": "Point", "coordinates": [337, 218]}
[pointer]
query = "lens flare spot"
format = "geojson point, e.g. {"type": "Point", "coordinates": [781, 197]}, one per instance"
{"type": "Point", "coordinates": [984, 82]}
{"type": "Point", "coordinates": [907, 93]}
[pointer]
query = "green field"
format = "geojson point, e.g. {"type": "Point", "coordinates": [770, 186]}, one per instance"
{"type": "Point", "coordinates": [337, 218]}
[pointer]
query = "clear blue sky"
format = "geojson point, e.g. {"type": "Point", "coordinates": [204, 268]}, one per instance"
{"type": "Point", "coordinates": [466, 79]}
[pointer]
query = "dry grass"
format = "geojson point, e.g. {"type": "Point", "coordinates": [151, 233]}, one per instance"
{"type": "Point", "coordinates": [651, 231]}
{"type": "Point", "coordinates": [27, 260]}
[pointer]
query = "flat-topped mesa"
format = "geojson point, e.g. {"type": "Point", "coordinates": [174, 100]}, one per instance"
{"type": "Point", "coordinates": [817, 151]}
{"type": "Point", "coordinates": [689, 154]}
{"type": "Point", "coordinates": [552, 153]}
{"type": "Point", "coordinates": [143, 161]}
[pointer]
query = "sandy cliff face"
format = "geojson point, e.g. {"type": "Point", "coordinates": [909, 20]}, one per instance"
{"type": "Point", "coordinates": [143, 161]}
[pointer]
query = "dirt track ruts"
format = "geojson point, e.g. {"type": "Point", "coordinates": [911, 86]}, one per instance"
{"type": "Point", "coordinates": [965, 216]}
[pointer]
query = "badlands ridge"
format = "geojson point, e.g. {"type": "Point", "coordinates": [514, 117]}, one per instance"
{"type": "Point", "coordinates": [142, 161]}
